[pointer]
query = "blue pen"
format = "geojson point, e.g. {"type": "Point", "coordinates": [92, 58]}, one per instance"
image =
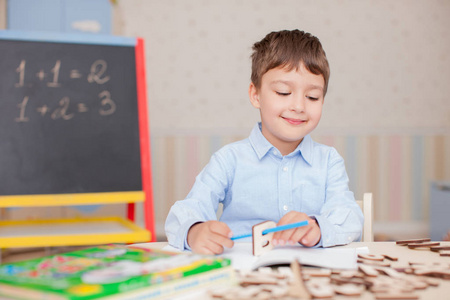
{"type": "Point", "coordinates": [274, 229]}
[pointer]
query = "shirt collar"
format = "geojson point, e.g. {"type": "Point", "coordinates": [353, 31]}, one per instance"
{"type": "Point", "coordinates": [306, 149]}
{"type": "Point", "coordinates": [261, 145]}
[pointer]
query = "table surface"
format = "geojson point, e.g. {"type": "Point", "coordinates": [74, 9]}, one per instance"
{"type": "Point", "coordinates": [404, 254]}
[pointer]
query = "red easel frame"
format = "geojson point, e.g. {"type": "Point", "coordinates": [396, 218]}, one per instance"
{"type": "Point", "coordinates": [144, 137]}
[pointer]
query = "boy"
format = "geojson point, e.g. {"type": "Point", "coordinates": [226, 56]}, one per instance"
{"type": "Point", "coordinates": [278, 173]}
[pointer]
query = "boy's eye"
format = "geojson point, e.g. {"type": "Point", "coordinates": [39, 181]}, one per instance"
{"type": "Point", "coordinates": [283, 93]}
{"type": "Point", "coordinates": [312, 98]}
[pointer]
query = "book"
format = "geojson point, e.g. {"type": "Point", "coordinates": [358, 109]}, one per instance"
{"type": "Point", "coordinates": [242, 258]}
{"type": "Point", "coordinates": [113, 272]}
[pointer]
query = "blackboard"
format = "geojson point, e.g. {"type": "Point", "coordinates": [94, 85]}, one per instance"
{"type": "Point", "coordinates": [69, 115]}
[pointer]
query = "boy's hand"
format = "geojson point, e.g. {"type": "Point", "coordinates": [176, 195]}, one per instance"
{"type": "Point", "coordinates": [209, 237]}
{"type": "Point", "coordinates": [307, 235]}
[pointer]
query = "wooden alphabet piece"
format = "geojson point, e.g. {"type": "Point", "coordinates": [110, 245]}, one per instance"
{"type": "Point", "coordinates": [375, 257]}
{"type": "Point", "coordinates": [412, 241]}
{"type": "Point", "coordinates": [423, 245]}
{"type": "Point", "coordinates": [374, 262]}
{"type": "Point", "coordinates": [441, 270]}
{"type": "Point", "coordinates": [320, 289]}
{"type": "Point", "coordinates": [298, 288]}
{"type": "Point", "coordinates": [390, 257]}
{"type": "Point", "coordinates": [349, 289]}
{"type": "Point", "coordinates": [262, 243]}
{"type": "Point", "coordinates": [439, 248]}
{"type": "Point", "coordinates": [368, 270]}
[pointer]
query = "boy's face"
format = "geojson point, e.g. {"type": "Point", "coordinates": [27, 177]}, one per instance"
{"type": "Point", "coordinates": [290, 104]}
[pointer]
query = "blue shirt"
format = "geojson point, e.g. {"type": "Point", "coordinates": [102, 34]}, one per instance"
{"type": "Point", "coordinates": [255, 183]}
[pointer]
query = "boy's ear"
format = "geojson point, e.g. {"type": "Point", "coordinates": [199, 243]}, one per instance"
{"type": "Point", "coordinates": [254, 96]}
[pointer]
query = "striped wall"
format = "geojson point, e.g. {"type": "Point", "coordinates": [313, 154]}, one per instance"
{"type": "Point", "coordinates": [397, 169]}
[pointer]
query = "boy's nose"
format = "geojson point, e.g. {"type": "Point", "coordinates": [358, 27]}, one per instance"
{"type": "Point", "coordinates": [298, 104]}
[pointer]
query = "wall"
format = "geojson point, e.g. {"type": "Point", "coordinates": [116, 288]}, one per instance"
{"type": "Point", "coordinates": [2, 14]}
{"type": "Point", "coordinates": [388, 63]}
{"type": "Point", "coordinates": [387, 110]}
{"type": "Point", "coordinates": [68, 16]}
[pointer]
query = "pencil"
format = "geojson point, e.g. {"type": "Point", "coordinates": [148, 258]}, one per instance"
{"type": "Point", "coordinates": [274, 229]}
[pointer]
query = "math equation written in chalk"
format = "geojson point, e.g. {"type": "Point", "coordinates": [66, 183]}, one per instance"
{"type": "Point", "coordinates": [32, 77]}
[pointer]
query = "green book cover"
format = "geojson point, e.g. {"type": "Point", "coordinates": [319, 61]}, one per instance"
{"type": "Point", "coordinates": [102, 271]}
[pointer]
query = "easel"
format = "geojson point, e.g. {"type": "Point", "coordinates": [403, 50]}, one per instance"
{"type": "Point", "coordinates": [78, 231]}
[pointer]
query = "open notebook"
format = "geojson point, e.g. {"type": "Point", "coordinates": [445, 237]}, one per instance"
{"type": "Point", "coordinates": [334, 258]}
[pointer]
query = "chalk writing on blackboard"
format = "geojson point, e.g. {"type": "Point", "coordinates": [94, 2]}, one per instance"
{"type": "Point", "coordinates": [65, 109]}
{"type": "Point", "coordinates": [98, 69]}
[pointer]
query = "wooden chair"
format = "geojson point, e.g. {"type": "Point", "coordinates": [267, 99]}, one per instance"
{"type": "Point", "coordinates": [366, 206]}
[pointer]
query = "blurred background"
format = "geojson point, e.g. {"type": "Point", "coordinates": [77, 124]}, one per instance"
{"type": "Point", "coordinates": [387, 110]}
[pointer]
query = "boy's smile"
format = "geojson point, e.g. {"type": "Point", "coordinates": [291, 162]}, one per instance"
{"type": "Point", "coordinates": [290, 104]}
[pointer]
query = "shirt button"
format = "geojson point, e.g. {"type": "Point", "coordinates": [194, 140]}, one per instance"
{"type": "Point", "coordinates": [285, 169]}
{"type": "Point", "coordinates": [274, 152]}
{"type": "Point", "coordinates": [285, 207]}
{"type": "Point", "coordinates": [349, 238]}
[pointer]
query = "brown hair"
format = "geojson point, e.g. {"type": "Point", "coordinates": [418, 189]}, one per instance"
{"type": "Point", "coordinates": [287, 49]}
